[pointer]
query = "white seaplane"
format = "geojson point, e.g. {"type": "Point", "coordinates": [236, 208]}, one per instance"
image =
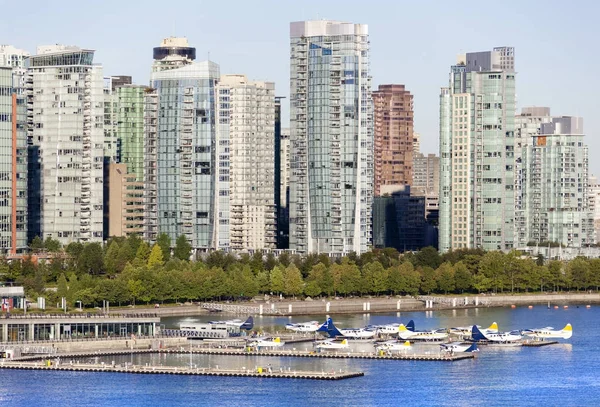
{"type": "Point", "coordinates": [549, 333]}
{"type": "Point", "coordinates": [265, 343]}
{"type": "Point", "coordinates": [350, 333]}
{"type": "Point", "coordinates": [405, 333]}
{"type": "Point", "coordinates": [512, 338]}
{"type": "Point", "coordinates": [391, 346]}
{"type": "Point", "coordinates": [466, 331]}
{"type": "Point", "coordinates": [331, 345]}
{"type": "Point", "coordinates": [458, 347]}
{"type": "Point", "coordinates": [311, 326]}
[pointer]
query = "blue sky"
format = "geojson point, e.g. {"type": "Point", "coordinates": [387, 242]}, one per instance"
{"type": "Point", "coordinates": [412, 43]}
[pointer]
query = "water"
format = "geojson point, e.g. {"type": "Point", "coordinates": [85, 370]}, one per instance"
{"type": "Point", "coordinates": [565, 374]}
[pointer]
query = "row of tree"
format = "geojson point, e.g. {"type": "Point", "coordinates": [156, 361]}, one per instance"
{"type": "Point", "coordinates": [129, 271]}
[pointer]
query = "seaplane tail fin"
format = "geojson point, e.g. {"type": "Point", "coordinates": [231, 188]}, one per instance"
{"type": "Point", "coordinates": [402, 328]}
{"type": "Point", "coordinates": [407, 343]}
{"type": "Point", "coordinates": [277, 340]}
{"type": "Point", "coordinates": [345, 342]}
{"type": "Point", "coordinates": [411, 325]}
{"type": "Point", "coordinates": [249, 324]}
{"type": "Point", "coordinates": [472, 348]}
{"type": "Point", "coordinates": [331, 330]}
{"type": "Point", "coordinates": [476, 334]}
{"type": "Point", "coordinates": [567, 331]}
{"type": "Point", "coordinates": [494, 326]}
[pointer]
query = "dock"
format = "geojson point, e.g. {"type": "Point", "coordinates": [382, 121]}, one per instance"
{"type": "Point", "coordinates": [184, 371]}
{"type": "Point", "coordinates": [434, 357]}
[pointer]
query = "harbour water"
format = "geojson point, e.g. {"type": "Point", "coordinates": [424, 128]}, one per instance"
{"type": "Point", "coordinates": [566, 374]}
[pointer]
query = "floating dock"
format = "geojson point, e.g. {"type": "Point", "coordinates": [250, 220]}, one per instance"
{"type": "Point", "coordinates": [436, 357]}
{"type": "Point", "coordinates": [184, 371]}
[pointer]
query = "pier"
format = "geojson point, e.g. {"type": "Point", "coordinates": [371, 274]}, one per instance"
{"type": "Point", "coordinates": [435, 357]}
{"type": "Point", "coordinates": [184, 371]}
{"type": "Point", "coordinates": [537, 344]}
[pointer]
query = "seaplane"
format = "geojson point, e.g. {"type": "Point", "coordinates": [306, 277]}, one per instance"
{"type": "Point", "coordinates": [352, 333]}
{"type": "Point", "coordinates": [265, 343]}
{"type": "Point", "coordinates": [549, 333]}
{"type": "Point", "coordinates": [311, 326]}
{"type": "Point", "coordinates": [331, 345]}
{"type": "Point", "coordinates": [238, 323]}
{"type": "Point", "coordinates": [406, 333]}
{"type": "Point", "coordinates": [466, 331]}
{"type": "Point", "coordinates": [458, 347]}
{"type": "Point", "coordinates": [506, 338]}
{"type": "Point", "coordinates": [393, 346]}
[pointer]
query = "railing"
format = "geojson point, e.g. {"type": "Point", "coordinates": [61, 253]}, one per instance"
{"type": "Point", "coordinates": [240, 309]}
{"type": "Point", "coordinates": [86, 315]}
{"type": "Point", "coordinates": [454, 301]}
{"type": "Point", "coordinates": [85, 339]}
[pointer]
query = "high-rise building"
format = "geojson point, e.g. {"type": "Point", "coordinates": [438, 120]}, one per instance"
{"type": "Point", "coordinates": [555, 187]}
{"type": "Point", "coordinates": [245, 153]}
{"type": "Point", "coordinates": [331, 138]}
{"type": "Point", "coordinates": [416, 143]}
{"type": "Point", "coordinates": [180, 176]}
{"type": "Point", "coordinates": [477, 126]}
{"type": "Point", "coordinates": [13, 158]}
{"type": "Point", "coordinates": [65, 118]}
{"type": "Point", "coordinates": [527, 125]}
{"type": "Point", "coordinates": [426, 180]}
{"type": "Point", "coordinates": [124, 183]}
{"type": "Point", "coordinates": [283, 214]}
{"type": "Point", "coordinates": [594, 204]}
{"type": "Point", "coordinates": [393, 138]}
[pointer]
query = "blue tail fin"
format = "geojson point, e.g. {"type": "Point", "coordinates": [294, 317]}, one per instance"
{"type": "Point", "coordinates": [473, 348]}
{"type": "Point", "coordinates": [411, 325]}
{"type": "Point", "coordinates": [476, 334]}
{"type": "Point", "coordinates": [331, 330]}
{"type": "Point", "coordinates": [248, 325]}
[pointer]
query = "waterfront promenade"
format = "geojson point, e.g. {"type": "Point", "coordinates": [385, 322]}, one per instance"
{"type": "Point", "coordinates": [358, 305]}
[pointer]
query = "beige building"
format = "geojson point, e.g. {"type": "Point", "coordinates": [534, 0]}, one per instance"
{"type": "Point", "coordinates": [393, 138]}
{"type": "Point", "coordinates": [126, 202]}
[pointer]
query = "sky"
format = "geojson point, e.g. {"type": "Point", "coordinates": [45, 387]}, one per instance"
{"type": "Point", "coordinates": [412, 43]}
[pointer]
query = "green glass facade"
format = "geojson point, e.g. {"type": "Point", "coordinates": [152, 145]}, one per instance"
{"type": "Point", "coordinates": [130, 128]}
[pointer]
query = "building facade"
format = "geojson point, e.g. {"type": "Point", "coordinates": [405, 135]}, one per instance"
{"type": "Point", "coordinates": [180, 178]}
{"type": "Point", "coordinates": [594, 204]}
{"type": "Point", "coordinates": [477, 126]}
{"type": "Point", "coordinates": [245, 143]}
{"type": "Point", "coordinates": [555, 192]}
{"type": "Point", "coordinates": [331, 138]}
{"type": "Point", "coordinates": [13, 160]}
{"type": "Point", "coordinates": [65, 120]}
{"type": "Point", "coordinates": [394, 138]}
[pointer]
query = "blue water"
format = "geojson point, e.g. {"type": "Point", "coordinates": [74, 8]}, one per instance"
{"type": "Point", "coordinates": [567, 374]}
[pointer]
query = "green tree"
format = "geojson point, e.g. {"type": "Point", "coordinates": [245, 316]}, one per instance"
{"type": "Point", "coordinates": [256, 263]}
{"type": "Point", "coordinates": [314, 281]}
{"type": "Point", "coordinates": [428, 281]}
{"type": "Point", "coordinates": [156, 257]}
{"type": "Point", "coordinates": [91, 260]}
{"type": "Point", "coordinates": [62, 290]}
{"type": "Point", "coordinates": [445, 278]}
{"type": "Point", "coordinates": [492, 266]}
{"type": "Point", "coordinates": [578, 270]}
{"type": "Point", "coordinates": [111, 258]}
{"type": "Point", "coordinates": [292, 281]}
{"type": "Point", "coordinates": [462, 277]}
{"type": "Point", "coordinates": [52, 245]}
{"type": "Point", "coordinates": [143, 254]}
{"type": "Point", "coordinates": [350, 279]}
{"type": "Point", "coordinates": [276, 280]}
{"type": "Point", "coordinates": [133, 241]}
{"type": "Point", "coordinates": [183, 249]}
{"type": "Point", "coordinates": [428, 256]}
{"type": "Point", "coordinates": [374, 278]}
{"type": "Point", "coordinates": [37, 244]}
{"type": "Point", "coordinates": [164, 241]}
{"type": "Point", "coordinates": [396, 280]}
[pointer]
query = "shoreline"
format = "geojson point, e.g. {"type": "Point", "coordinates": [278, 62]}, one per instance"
{"type": "Point", "coordinates": [370, 305]}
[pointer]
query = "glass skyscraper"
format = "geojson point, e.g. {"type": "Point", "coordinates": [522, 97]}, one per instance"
{"type": "Point", "coordinates": [477, 130]}
{"type": "Point", "coordinates": [331, 138]}
{"type": "Point", "coordinates": [180, 175]}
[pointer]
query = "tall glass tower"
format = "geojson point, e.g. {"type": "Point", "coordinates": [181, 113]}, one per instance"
{"type": "Point", "coordinates": [477, 138]}
{"type": "Point", "coordinates": [331, 138]}
{"type": "Point", "coordinates": [179, 123]}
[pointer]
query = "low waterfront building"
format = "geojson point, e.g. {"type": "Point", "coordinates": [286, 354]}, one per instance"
{"type": "Point", "coordinates": [19, 328]}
